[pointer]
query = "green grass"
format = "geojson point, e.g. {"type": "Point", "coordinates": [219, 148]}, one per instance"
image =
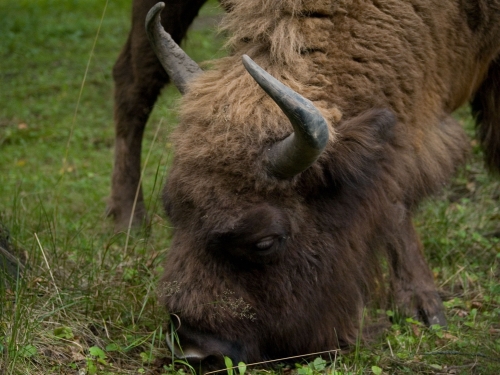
{"type": "Point", "coordinates": [87, 303]}
{"type": "Point", "coordinates": [83, 289]}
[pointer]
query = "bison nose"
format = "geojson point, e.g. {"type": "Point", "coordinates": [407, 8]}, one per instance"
{"type": "Point", "coordinates": [203, 350]}
{"type": "Point", "coordinates": [187, 351]}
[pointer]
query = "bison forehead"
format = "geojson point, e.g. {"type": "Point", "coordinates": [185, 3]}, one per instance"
{"type": "Point", "coordinates": [207, 200]}
{"type": "Point", "coordinates": [224, 132]}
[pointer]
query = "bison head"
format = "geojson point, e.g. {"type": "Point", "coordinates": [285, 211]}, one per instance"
{"type": "Point", "coordinates": [258, 267]}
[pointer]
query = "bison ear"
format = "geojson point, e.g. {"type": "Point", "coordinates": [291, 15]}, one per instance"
{"type": "Point", "coordinates": [381, 122]}
{"type": "Point", "coordinates": [362, 143]}
{"type": "Point", "coordinates": [178, 65]}
{"type": "Point", "coordinates": [372, 127]}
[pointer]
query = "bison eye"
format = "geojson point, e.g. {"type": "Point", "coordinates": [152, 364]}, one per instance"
{"type": "Point", "coordinates": [265, 243]}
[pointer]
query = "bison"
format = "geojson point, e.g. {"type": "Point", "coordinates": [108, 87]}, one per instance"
{"type": "Point", "coordinates": [299, 160]}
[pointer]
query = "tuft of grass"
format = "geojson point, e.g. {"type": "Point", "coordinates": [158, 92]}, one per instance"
{"type": "Point", "coordinates": [85, 300]}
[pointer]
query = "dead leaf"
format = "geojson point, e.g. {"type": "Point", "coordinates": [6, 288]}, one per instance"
{"type": "Point", "coordinates": [415, 329]}
{"type": "Point", "coordinates": [471, 186]}
{"type": "Point", "coordinates": [495, 331]}
{"type": "Point", "coordinates": [449, 336]}
{"type": "Point", "coordinates": [476, 305]}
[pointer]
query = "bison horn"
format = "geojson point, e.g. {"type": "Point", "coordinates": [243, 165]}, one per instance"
{"type": "Point", "coordinates": [178, 65]}
{"type": "Point", "coordinates": [301, 149]}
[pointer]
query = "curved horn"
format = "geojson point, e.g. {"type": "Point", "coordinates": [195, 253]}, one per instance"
{"type": "Point", "coordinates": [299, 150]}
{"type": "Point", "coordinates": [179, 66]}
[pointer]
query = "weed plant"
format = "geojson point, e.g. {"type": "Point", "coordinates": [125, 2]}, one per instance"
{"type": "Point", "coordinates": [85, 300]}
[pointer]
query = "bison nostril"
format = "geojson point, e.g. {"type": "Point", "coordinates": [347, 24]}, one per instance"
{"type": "Point", "coordinates": [200, 360]}
{"type": "Point", "coordinates": [186, 352]}
{"type": "Point", "coordinates": [201, 348]}
{"type": "Point", "coordinates": [189, 349]}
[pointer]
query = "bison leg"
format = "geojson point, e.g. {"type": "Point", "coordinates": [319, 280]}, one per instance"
{"type": "Point", "coordinates": [139, 79]}
{"type": "Point", "coordinates": [412, 281]}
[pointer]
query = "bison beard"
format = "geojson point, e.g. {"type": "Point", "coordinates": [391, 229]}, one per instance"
{"type": "Point", "coordinates": [284, 213]}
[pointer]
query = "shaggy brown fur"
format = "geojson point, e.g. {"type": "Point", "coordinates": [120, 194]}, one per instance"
{"type": "Point", "coordinates": [386, 75]}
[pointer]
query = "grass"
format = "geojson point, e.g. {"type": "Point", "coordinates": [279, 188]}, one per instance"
{"type": "Point", "coordinates": [87, 304]}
